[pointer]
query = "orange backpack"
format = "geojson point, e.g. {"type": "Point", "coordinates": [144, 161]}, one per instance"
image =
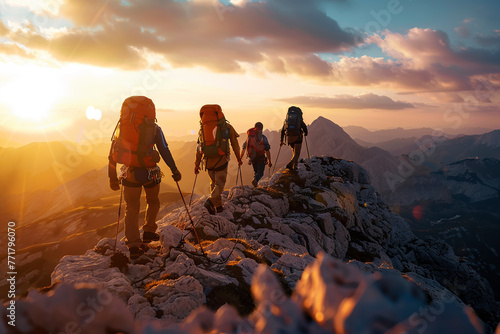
{"type": "Point", "coordinates": [214, 132]}
{"type": "Point", "coordinates": [134, 136]}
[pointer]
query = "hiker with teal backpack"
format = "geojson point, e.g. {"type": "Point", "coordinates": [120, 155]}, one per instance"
{"type": "Point", "coordinates": [293, 131]}
{"type": "Point", "coordinates": [133, 145]}
{"type": "Point", "coordinates": [215, 140]}
{"type": "Point", "coordinates": [257, 147]}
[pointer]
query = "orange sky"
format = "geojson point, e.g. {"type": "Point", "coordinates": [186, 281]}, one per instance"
{"type": "Point", "coordinates": [65, 61]}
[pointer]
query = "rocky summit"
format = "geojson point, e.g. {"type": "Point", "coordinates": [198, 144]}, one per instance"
{"type": "Point", "coordinates": [313, 251]}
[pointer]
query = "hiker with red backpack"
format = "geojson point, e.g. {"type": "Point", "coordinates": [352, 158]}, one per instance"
{"type": "Point", "coordinates": [257, 147]}
{"type": "Point", "coordinates": [293, 129]}
{"type": "Point", "coordinates": [215, 140]}
{"type": "Point", "coordinates": [133, 145]}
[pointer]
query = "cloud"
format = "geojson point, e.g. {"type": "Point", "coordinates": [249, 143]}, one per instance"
{"type": "Point", "coordinates": [463, 29]}
{"type": "Point", "coordinates": [488, 40]}
{"type": "Point", "coordinates": [200, 33]}
{"type": "Point", "coordinates": [345, 101]}
{"type": "Point", "coordinates": [430, 63]}
{"type": "Point", "coordinates": [3, 29]}
{"type": "Point", "coordinates": [277, 36]}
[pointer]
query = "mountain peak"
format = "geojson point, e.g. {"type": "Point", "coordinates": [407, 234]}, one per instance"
{"type": "Point", "coordinates": [326, 210]}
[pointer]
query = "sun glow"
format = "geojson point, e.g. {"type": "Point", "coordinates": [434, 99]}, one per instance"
{"type": "Point", "coordinates": [32, 94]}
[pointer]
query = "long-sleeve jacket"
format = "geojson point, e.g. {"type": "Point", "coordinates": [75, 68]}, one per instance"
{"type": "Point", "coordinates": [219, 162]}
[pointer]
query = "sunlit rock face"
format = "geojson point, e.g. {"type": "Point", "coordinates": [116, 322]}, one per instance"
{"type": "Point", "coordinates": [317, 250]}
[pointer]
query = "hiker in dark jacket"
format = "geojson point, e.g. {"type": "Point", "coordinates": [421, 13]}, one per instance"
{"type": "Point", "coordinates": [294, 141]}
{"type": "Point", "coordinates": [258, 159]}
{"type": "Point", "coordinates": [133, 180]}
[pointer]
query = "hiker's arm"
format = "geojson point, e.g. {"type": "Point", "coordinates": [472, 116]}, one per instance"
{"type": "Point", "coordinates": [268, 155]}
{"type": "Point", "coordinates": [243, 149]}
{"type": "Point", "coordinates": [198, 158]}
{"type": "Point", "coordinates": [233, 138]}
{"type": "Point", "coordinates": [282, 134]}
{"type": "Point", "coordinates": [165, 153]}
{"type": "Point", "coordinates": [114, 183]}
{"type": "Point", "coordinates": [304, 127]}
{"type": "Point", "coordinates": [267, 149]}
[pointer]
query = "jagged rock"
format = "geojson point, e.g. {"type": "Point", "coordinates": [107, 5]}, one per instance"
{"type": "Point", "coordinates": [92, 268]}
{"type": "Point", "coordinates": [170, 236]}
{"type": "Point", "coordinates": [210, 279]}
{"type": "Point", "coordinates": [325, 223]}
{"type": "Point", "coordinates": [141, 307]}
{"type": "Point", "coordinates": [82, 308]}
{"type": "Point", "coordinates": [280, 225]}
{"type": "Point", "coordinates": [177, 298]}
{"type": "Point", "coordinates": [342, 238]}
{"type": "Point", "coordinates": [315, 241]}
{"type": "Point", "coordinates": [292, 266]}
{"type": "Point", "coordinates": [247, 267]}
{"type": "Point", "coordinates": [182, 266]}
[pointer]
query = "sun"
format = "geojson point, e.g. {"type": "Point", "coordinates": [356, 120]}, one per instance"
{"type": "Point", "coordinates": [30, 96]}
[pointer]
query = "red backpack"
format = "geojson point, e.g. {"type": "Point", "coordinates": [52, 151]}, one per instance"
{"type": "Point", "coordinates": [134, 136]}
{"type": "Point", "coordinates": [255, 145]}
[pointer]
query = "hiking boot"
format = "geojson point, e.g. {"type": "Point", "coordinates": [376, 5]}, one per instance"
{"type": "Point", "coordinates": [219, 209]}
{"type": "Point", "coordinates": [147, 237]}
{"type": "Point", "coordinates": [135, 252]}
{"type": "Point", "coordinates": [254, 184]}
{"type": "Point", "coordinates": [210, 207]}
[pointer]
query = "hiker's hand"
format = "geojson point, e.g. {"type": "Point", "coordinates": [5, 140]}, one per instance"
{"type": "Point", "coordinates": [270, 165]}
{"type": "Point", "coordinates": [114, 185]}
{"type": "Point", "coordinates": [305, 133]}
{"type": "Point", "coordinates": [240, 162]}
{"type": "Point", "coordinates": [197, 170]}
{"type": "Point", "coordinates": [281, 143]}
{"type": "Point", "coordinates": [177, 175]}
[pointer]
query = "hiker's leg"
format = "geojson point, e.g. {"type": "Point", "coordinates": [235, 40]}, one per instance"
{"type": "Point", "coordinates": [296, 154]}
{"type": "Point", "coordinates": [220, 181]}
{"type": "Point", "coordinates": [259, 171]}
{"type": "Point", "coordinates": [152, 208]}
{"type": "Point", "coordinates": [255, 172]}
{"type": "Point", "coordinates": [289, 165]}
{"type": "Point", "coordinates": [132, 196]}
{"type": "Point", "coordinates": [211, 175]}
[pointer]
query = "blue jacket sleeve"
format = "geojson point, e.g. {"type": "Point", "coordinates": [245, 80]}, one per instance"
{"type": "Point", "coordinates": [267, 147]}
{"type": "Point", "coordinates": [162, 146]}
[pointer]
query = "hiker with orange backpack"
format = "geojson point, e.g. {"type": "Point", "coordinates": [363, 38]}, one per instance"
{"type": "Point", "coordinates": [133, 145]}
{"type": "Point", "coordinates": [216, 137]}
{"type": "Point", "coordinates": [257, 147]}
{"type": "Point", "coordinates": [293, 129]}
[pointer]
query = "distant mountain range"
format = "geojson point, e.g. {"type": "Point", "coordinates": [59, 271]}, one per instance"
{"type": "Point", "coordinates": [380, 136]}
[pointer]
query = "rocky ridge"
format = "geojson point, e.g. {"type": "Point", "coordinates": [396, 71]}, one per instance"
{"type": "Point", "coordinates": [338, 254]}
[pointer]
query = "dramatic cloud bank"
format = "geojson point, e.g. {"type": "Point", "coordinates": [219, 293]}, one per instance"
{"type": "Point", "coordinates": [345, 101]}
{"type": "Point", "coordinates": [298, 39]}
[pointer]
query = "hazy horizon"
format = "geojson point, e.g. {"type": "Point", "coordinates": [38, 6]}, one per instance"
{"type": "Point", "coordinates": [93, 134]}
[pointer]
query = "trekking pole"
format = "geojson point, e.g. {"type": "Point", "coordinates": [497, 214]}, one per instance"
{"type": "Point", "coordinates": [241, 177]}
{"type": "Point", "coordinates": [190, 218]}
{"type": "Point", "coordinates": [192, 191]}
{"type": "Point", "coordinates": [307, 147]}
{"type": "Point", "coordinates": [277, 156]}
{"type": "Point", "coordinates": [118, 220]}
